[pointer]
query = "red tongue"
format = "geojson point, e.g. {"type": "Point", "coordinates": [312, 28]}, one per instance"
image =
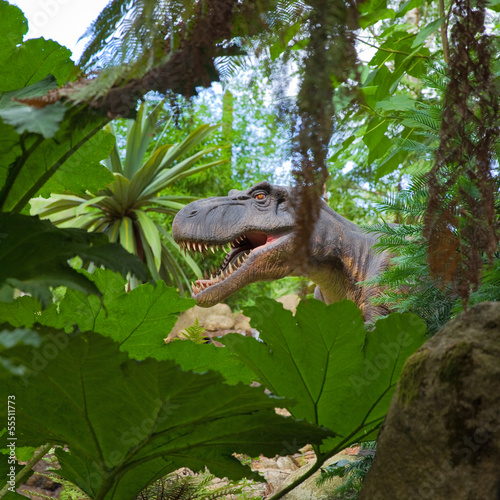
{"type": "Point", "coordinates": [271, 238]}
{"type": "Point", "coordinates": [257, 239]}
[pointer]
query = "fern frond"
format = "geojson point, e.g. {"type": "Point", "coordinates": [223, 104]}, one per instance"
{"type": "Point", "coordinates": [129, 31]}
{"type": "Point", "coordinates": [429, 117]}
{"type": "Point", "coordinates": [196, 333]}
{"type": "Point", "coordinates": [69, 492]}
{"type": "Point", "coordinates": [414, 146]}
{"type": "Point", "coordinates": [200, 487]}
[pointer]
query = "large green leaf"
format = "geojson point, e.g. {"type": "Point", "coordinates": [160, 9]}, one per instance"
{"type": "Point", "coordinates": [44, 121]}
{"type": "Point", "coordinates": [22, 64]}
{"type": "Point", "coordinates": [126, 423]}
{"type": "Point", "coordinates": [13, 25]}
{"type": "Point", "coordinates": [426, 31]}
{"type": "Point", "coordinates": [341, 376]}
{"type": "Point", "coordinates": [139, 321]}
{"type": "Point", "coordinates": [39, 159]}
{"type": "Point", "coordinates": [37, 89]}
{"type": "Point", "coordinates": [34, 256]}
{"type": "Point", "coordinates": [203, 357]}
{"type": "Point", "coordinates": [12, 339]}
{"type": "Point", "coordinates": [21, 312]}
{"type": "Point", "coordinates": [83, 171]}
{"type": "Point", "coordinates": [10, 148]}
{"type": "Point", "coordinates": [27, 160]}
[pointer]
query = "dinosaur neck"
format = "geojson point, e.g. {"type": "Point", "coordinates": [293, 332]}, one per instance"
{"type": "Point", "coordinates": [343, 256]}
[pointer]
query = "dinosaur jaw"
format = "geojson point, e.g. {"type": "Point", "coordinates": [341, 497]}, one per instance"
{"type": "Point", "coordinates": [252, 256]}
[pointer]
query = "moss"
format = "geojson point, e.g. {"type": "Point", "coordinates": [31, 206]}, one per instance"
{"type": "Point", "coordinates": [411, 377]}
{"type": "Point", "coordinates": [455, 363]}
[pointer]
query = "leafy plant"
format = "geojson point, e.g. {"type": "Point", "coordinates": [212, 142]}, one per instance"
{"type": "Point", "coordinates": [39, 259]}
{"type": "Point", "coordinates": [353, 472]}
{"type": "Point", "coordinates": [68, 492]}
{"type": "Point", "coordinates": [194, 420]}
{"type": "Point", "coordinates": [355, 371]}
{"type": "Point", "coordinates": [46, 146]}
{"type": "Point", "coordinates": [123, 210]}
{"type": "Point", "coordinates": [170, 418]}
{"type": "Point", "coordinates": [195, 333]}
{"type": "Point", "coordinates": [407, 285]}
{"type": "Point", "coordinates": [200, 487]}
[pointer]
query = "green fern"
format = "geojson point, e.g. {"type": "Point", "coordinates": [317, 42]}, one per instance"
{"type": "Point", "coordinates": [69, 491]}
{"type": "Point", "coordinates": [142, 26]}
{"type": "Point", "coordinates": [353, 472]}
{"type": "Point", "coordinates": [407, 285]}
{"type": "Point", "coordinates": [196, 333]}
{"type": "Point", "coordinates": [201, 487]}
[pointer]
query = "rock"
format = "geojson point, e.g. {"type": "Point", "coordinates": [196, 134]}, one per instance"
{"type": "Point", "coordinates": [308, 490]}
{"type": "Point", "coordinates": [286, 463]}
{"type": "Point", "coordinates": [289, 302]}
{"type": "Point", "coordinates": [242, 322]}
{"type": "Point", "coordinates": [283, 412]}
{"type": "Point", "coordinates": [188, 318]}
{"type": "Point", "coordinates": [218, 322]}
{"type": "Point", "coordinates": [38, 485]}
{"type": "Point", "coordinates": [441, 436]}
{"type": "Point", "coordinates": [267, 463]}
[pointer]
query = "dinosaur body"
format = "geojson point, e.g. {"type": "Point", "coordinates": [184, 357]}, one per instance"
{"type": "Point", "coordinates": [257, 226]}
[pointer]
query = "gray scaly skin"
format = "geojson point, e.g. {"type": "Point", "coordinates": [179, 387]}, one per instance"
{"type": "Point", "coordinates": [257, 227]}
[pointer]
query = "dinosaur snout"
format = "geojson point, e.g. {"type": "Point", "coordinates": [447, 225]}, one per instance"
{"type": "Point", "coordinates": [189, 222]}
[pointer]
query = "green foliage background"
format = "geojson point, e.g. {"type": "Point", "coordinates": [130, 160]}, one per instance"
{"type": "Point", "coordinates": [91, 372]}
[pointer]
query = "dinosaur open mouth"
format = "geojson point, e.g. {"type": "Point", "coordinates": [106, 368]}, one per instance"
{"type": "Point", "coordinates": [237, 252]}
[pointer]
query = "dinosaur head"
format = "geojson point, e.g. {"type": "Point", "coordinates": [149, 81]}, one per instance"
{"type": "Point", "coordinates": [254, 228]}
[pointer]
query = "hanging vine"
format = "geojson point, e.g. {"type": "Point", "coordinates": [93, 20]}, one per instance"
{"type": "Point", "coordinates": [460, 220]}
{"type": "Point", "coordinates": [329, 60]}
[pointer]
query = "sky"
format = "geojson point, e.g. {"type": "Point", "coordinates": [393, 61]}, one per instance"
{"type": "Point", "coordinates": [62, 20]}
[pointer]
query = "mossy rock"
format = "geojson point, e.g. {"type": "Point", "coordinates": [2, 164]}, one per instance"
{"type": "Point", "coordinates": [441, 436]}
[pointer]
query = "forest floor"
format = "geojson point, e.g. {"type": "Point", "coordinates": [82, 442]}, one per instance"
{"type": "Point", "coordinates": [275, 471]}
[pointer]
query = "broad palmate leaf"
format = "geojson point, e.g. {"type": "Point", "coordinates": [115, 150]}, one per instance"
{"type": "Point", "coordinates": [341, 375]}
{"type": "Point", "coordinates": [25, 63]}
{"type": "Point", "coordinates": [139, 321]}
{"type": "Point", "coordinates": [126, 423]}
{"type": "Point", "coordinates": [37, 141]}
{"type": "Point", "coordinates": [34, 256]}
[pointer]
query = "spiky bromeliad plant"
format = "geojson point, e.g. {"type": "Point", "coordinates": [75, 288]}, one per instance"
{"type": "Point", "coordinates": [122, 210]}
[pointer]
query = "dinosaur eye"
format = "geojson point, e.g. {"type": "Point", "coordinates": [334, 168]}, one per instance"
{"type": "Point", "coordinates": [260, 196]}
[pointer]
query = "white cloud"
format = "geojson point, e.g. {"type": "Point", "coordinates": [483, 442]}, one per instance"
{"type": "Point", "coordinates": [62, 20]}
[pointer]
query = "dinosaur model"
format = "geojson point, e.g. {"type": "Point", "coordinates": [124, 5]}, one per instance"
{"type": "Point", "coordinates": [256, 227]}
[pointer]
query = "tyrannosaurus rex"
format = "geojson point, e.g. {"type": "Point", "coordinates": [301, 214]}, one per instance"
{"type": "Point", "coordinates": [257, 227]}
